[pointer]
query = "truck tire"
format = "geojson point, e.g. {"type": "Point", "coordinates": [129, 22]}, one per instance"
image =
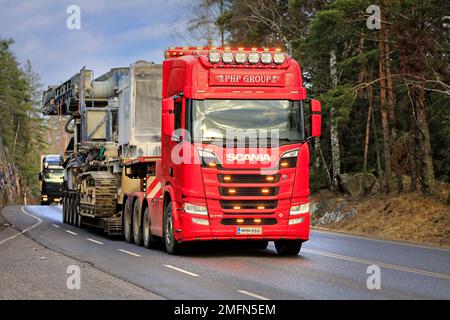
{"type": "Point", "coordinates": [64, 213]}
{"type": "Point", "coordinates": [71, 219]}
{"type": "Point", "coordinates": [288, 247]}
{"type": "Point", "coordinates": [77, 211]}
{"type": "Point", "coordinates": [149, 240]}
{"type": "Point", "coordinates": [137, 230]}
{"type": "Point", "coordinates": [127, 220]}
{"type": "Point", "coordinates": [169, 231]}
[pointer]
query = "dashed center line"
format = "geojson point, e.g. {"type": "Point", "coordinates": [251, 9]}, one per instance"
{"type": "Point", "coordinates": [130, 253]}
{"type": "Point", "coordinates": [254, 295]}
{"type": "Point", "coordinates": [71, 232]}
{"type": "Point", "coordinates": [94, 241]}
{"type": "Point", "coordinates": [55, 225]}
{"type": "Point", "coordinates": [181, 270]}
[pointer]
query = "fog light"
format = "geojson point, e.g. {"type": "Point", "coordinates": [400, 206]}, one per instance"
{"type": "Point", "coordinates": [203, 222]}
{"type": "Point", "coordinates": [296, 221]}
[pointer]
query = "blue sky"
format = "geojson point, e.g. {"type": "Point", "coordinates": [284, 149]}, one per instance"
{"type": "Point", "coordinates": [113, 33]}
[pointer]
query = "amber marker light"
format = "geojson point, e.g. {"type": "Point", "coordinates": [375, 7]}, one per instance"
{"type": "Point", "coordinates": [240, 220]}
{"type": "Point", "coordinates": [227, 178]}
{"type": "Point", "coordinates": [212, 164]}
{"type": "Point", "coordinates": [284, 164]}
{"type": "Point", "coordinates": [265, 191]}
{"type": "Point", "coordinates": [257, 220]}
{"type": "Point", "coordinates": [231, 191]}
{"type": "Point", "coordinates": [261, 207]}
{"type": "Point", "coordinates": [270, 178]}
{"type": "Point", "coordinates": [237, 207]}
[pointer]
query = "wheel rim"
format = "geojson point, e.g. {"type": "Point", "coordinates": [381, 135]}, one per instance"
{"type": "Point", "coordinates": [135, 223]}
{"type": "Point", "coordinates": [169, 228]}
{"type": "Point", "coordinates": [145, 227]}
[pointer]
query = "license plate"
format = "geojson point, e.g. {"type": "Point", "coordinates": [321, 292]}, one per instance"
{"type": "Point", "coordinates": [249, 230]}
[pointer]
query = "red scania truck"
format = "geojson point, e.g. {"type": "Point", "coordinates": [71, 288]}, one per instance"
{"type": "Point", "coordinates": [228, 159]}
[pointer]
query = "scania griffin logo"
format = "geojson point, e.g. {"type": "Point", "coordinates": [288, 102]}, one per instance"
{"type": "Point", "coordinates": [248, 157]}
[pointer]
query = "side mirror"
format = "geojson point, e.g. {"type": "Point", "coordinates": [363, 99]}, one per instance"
{"type": "Point", "coordinates": [316, 118]}
{"type": "Point", "coordinates": [167, 117]}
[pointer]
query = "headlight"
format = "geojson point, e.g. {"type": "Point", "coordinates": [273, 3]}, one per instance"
{"type": "Point", "coordinates": [214, 56]}
{"type": "Point", "coordinates": [195, 209]}
{"type": "Point", "coordinates": [296, 221]}
{"type": "Point", "coordinates": [289, 159]}
{"type": "Point", "coordinates": [227, 57]}
{"type": "Point", "coordinates": [253, 57]}
{"type": "Point", "coordinates": [240, 57]}
{"type": "Point", "coordinates": [299, 209]}
{"type": "Point", "coordinates": [209, 159]}
{"type": "Point", "coordinates": [279, 58]}
{"type": "Point", "coordinates": [266, 57]}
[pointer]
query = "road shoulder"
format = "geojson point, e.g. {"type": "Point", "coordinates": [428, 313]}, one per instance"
{"type": "Point", "coordinates": [31, 271]}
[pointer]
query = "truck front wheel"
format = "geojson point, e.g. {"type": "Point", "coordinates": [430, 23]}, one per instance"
{"type": "Point", "coordinates": [288, 247]}
{"type": "Point", "coordinates": [169, 231]}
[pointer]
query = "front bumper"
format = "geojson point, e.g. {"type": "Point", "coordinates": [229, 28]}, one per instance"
{"type": "Point", "coordinates": [188, 230]}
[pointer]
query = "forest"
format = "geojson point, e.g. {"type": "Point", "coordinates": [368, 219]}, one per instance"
{"type": "Point", "coordinates": [381, 70]}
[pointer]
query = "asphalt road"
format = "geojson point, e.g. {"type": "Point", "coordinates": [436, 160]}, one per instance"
{"type": "Point", "coordinates": [330, 266]}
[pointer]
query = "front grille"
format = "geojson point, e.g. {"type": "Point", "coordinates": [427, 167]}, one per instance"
{"type": "Point", "coordinates": [248, 205]}
{"type": "Point", "coordinates": [247, 191]}
{"type": "Point", "coordinates": [248, 221]}
{"type": "Point", "coordinates": [248, 178]}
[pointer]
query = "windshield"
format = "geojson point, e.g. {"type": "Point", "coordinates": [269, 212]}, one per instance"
{"type": "Point", "coordinates": [54, 175]}
{"type": "Point", "coordinates": [282, 119]}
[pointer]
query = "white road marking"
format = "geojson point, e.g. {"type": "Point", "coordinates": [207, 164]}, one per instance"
{"type": "Point", "coordinates": [381, 264]}
{"type": "Point", "coordinates": [55, 225]}
{"type": "Point", "coordinates": [130, 253]}
{"type": "Point", "coordinates": [94, 241]}
{"type": "Point", "coordinates": [254, 295]}
{"type": "Point", "coordinates": [320, 230]}
{"type": "Point", "coordinates": [71, 232]}
{"type": "Point", "coordinates": [181, 270]}
{"type": "Point", "coordinates": [39, 221]}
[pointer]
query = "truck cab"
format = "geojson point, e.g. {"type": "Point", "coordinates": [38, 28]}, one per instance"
{"type": "Point", "coordinates": [51, 177]}
{"type": "Point", "coordinates": [235, 155]}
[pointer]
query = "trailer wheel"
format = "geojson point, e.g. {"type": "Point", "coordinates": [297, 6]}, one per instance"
{"type": "Point", "coordinates": [64, 213]}
{"type": "Point", "coordinates": [169, 231]}
{"type": "Point", "coordinates": [137, 230]}
{"type": "Point", "coordinates": [71, 211]}
{"type": "Point", "coordinates": [127, 218]}
{"type": "Point", "coordinates": [148, 239]}
{"type": "Point", "coordinates": [77, 211]}
{"type": "Point", "coordinates": [288, 247]}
